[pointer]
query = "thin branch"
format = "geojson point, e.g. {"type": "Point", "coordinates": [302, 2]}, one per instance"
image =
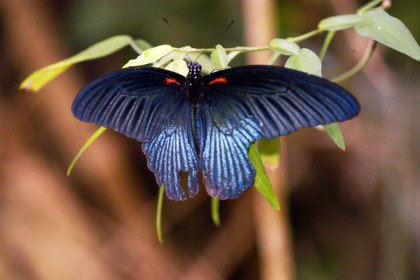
{"type": "Point", "coordinates": [359, 66]}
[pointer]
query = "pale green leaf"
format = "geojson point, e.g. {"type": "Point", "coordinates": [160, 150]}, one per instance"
{"type": "Point", "coordinates": [305, 61]}
{"type": "Point", "coordinates": [178, 66]}
{"type": "Point", "coordinates": [142, 44]}
{"type": "Point", "coordinates": [178, 55]}
{"type": "Point", "coordinates": [339, 22]}
{"type": "Point", "coordinates": [284, 46]}
{"type": "Point", "coordinates": [219, 57]}
{"type": "Point", "coordinates": [334, 132]}
{"type": "Point", "coordinates": [388, 30]}
{"type": "Point", "coordinates": [164, 61]}
{"type": "Point", "coordinates": [39, 78]}
{"type": "Point", "coordinates": [232, 55]}
{"type": "Point", "coordinates": [150, 56]}
{"type": "Point", "coordinates": [262, 183]}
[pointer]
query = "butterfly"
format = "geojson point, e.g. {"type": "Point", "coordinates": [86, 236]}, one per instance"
{"type": "Point", "coordinates": [207, 123]}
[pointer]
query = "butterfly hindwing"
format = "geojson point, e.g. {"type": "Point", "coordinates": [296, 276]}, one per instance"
{"type": "Point", "coordinates": [224, 152]}
{"type": "Point", "coordinates": [147, 104]}
{"type": "Point", "coordinates": [172, 151]}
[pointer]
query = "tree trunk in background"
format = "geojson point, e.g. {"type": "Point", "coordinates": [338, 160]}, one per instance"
{"type": "Point", "coordinates": [272, 227]}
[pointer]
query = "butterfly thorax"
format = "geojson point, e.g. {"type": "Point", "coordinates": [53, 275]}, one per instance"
{"type": "Point", "coordinates": [194, 83]}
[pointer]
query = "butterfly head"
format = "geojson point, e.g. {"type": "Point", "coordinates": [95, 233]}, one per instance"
{"type": "Point", "coordinates": [193, 81]}
{"type": "Point", "coordinates": [194, 71]}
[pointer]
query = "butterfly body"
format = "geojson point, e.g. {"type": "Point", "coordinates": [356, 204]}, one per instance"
{"type": "Point", "coordinates": [193, 84]}
{"type": "Point", "coordinates": [207, 123]}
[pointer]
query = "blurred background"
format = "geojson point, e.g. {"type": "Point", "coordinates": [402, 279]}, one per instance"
{"type": "Point", "coordinates": [344, 215]}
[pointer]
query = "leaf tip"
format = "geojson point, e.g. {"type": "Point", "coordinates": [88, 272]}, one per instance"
{"type": "Point", "coordinates": [160, 238]}
{"type": "Point", "coordinates": [214, 206]}
{"type": "Point", "coordinates": [159, 207]}
{"type": "Point", "coordinates": [69, 170]}
{"type": "Point", "coordinates": [274, 203]}
{"type": "Point", "coordinates": [27, 85]}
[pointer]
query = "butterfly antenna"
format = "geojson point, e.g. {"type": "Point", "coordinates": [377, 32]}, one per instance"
{"type": "Point", "coordinates": [175, 37]}
{"type": "Point", "coordinates": [217, 38]}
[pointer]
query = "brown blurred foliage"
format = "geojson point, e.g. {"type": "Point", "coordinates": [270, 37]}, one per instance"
{"type": "Point", "coordinates": [352, 215]}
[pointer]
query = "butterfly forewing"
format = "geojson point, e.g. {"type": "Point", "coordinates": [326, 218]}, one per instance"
{"type": "Point", "coordinates": [135, 101]}
{"type": "Point", "coordinates": [282, 100]}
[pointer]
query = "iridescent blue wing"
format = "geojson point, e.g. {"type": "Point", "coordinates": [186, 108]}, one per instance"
{"type": "Point", "coordinates": [147, 104]}
{"type": "Point", "coordinates": [172, 151]}
{"type": "Point", "coordinates": [244, 104]}
{"type": "Point", "coordinates": [134, 101]}
{"type": "Point", "coordinates": [224, 142]}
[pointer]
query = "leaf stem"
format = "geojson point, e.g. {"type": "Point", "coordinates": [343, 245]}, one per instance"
{"type": "Point", "coordinates": [305, 36]}
{"type": "Point", "coordinates": [368, 6]}
{"type": "Point", "coordinates": [273, 58]}
{"type": "Point", "coordinates": [359, 66]}
{"type": "Point", "coordinates": [135, 48]}
{"type": "Point", "coordinates": [253, 49]}
{"type": "Point", "coordinates": [326, 44]}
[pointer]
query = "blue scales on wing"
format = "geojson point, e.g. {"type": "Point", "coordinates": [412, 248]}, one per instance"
{"type": "Point", "coordinates": [224, 157]}
{"type": "Point", "coordinates": [172, 151]}
{"type": "Point", "coordinates": [244, 104]}
{"type": "Point", "coordinates": [149, 105]}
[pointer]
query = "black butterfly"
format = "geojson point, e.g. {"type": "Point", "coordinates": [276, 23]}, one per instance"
{"type": "Point", "coordinates": [193, 123]}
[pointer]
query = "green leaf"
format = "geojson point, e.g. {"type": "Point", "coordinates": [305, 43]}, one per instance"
{"type": "Point", "coordinates": [89, 142]}
{"type": "Point", "coordinates": [150, 56]}
{"type": "Point", "coordinates": [262, 183]}
{"type": "Point", "coordinates": [142, 44]}
{"type": "Point", "coordinates": [284, 46]}
{"type": "Point", "coordinates": [270, 151]}
{"type": "Point", "coordinates": [232, 55]}
{"type": "Point", "coordinates": [164, 61]}
{"type": "Point", "coordinates": [333, 130]}
{"type": "Point", "coordinates": [214, 208]}
{"type": "Point", "coordinates": [388, 30]}
{"type": "Point", "coordinates": [306, 61]}
{"type": "Point", "coordinates": [339, 22]}
{"type": "Point", "coordinates": [178, 55]}
{"type": "Point", "coordinates": [159, 207]}
{"type": "Point", "coordinates": [178, 66]}
{"type": "Point", "coordinates": [39, 78]}
{"type": "Point", "coordinates": [219, 57]}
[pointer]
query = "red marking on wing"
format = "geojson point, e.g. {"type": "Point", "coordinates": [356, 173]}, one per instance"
{"type": "Point", "coordinates": [171, 81]}
{"type": "Point", "coordinates": [219, 80]}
